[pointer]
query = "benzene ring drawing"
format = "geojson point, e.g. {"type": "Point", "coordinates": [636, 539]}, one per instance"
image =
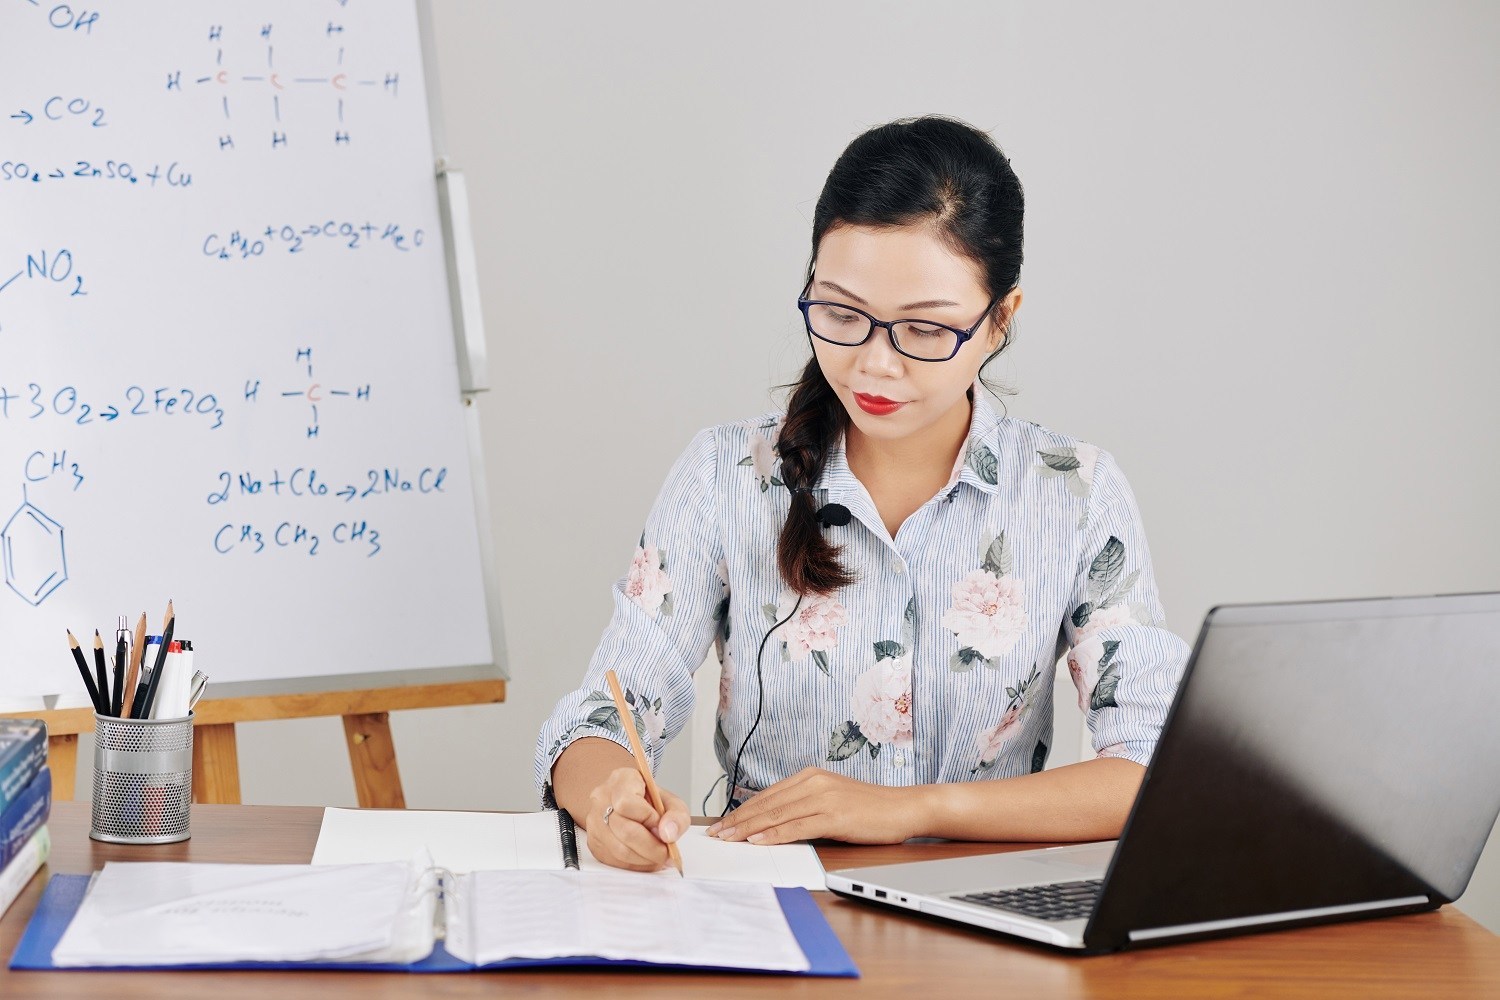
{"type": "Point", "coordinates": [36, 561]}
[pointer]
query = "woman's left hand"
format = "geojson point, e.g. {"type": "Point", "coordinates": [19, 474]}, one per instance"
{"type": "Point", "coordinates": [816, 803]}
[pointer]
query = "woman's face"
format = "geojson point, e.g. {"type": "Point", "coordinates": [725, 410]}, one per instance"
{"type": "Point", "coordinates": [893, 274]}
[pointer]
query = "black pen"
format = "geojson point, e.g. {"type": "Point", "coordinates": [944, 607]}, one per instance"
{"type": "Point", "coordinates": [83, 668]}
{"type": "Point", "coordinates": [149, 696]}
{"type": "Point", "coordinates": [122, 653]}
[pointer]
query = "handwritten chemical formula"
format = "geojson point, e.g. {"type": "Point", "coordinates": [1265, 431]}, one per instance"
{"type": "Point", "coordinates": [59, 109]}
{"type": "Point", "coordinates": [290, 238]}
{"type": "Point", "coordinates": [295, 537]}
{"type": "Point", "coordinates": [65, 17]}
{"type": "Point", "coordinates": [307, 482]}
{"type": "Point", "coordinates": [34, 402]}
{"type": "Point", "coordinates": [49, 268]}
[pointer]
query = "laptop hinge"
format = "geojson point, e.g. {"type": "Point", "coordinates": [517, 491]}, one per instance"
{"type": "Point", "coordinates": [1210, 926]}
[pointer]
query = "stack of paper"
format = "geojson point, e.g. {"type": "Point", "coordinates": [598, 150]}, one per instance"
{"type": "Point", "coordinates": [170, 914]}
{"type": "Point", "coordinates": [155, 914]}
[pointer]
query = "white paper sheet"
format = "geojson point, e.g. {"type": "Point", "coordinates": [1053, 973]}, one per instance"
{"type": "Point", "coordinates": [466, 842]}
{"type": "Point", "coordinates": [623, 915]}
{"type": "Point", "coordinates": [704, 857]}
{"type": "Point", "coordinates": [169, 913]}
{"type": "Point", "coordinates": [461, 842]}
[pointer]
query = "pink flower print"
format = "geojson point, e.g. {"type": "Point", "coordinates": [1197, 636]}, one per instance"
{"type": "Point", "coordinates": [1088, 457]}
{"type": "Point", "coordinates": [653, 722]}
{"type": "Point", "coordinates": [726, 659]}
{"type": "Point", "coordinates": [882, 702]}
{"type": "Point", "coordinates": [726, 679]}
{"type": "Point", "coordinates": [762, 457]}
{"type": "Point", "coordinates": [1084, 657]}
{"type": "Point", "coordinates": [812, 629]}
{"type": "Point", "coordinates": [988, 613]}
{"type": "Point", "coordinates": [647, 583]}
{"type": "Point", "coordinates": [1083, 666]}
{"type": "Point", "coordinates": [990, 741]}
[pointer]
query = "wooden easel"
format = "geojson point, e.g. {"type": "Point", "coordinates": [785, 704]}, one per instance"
{"type": "Point", "coordinates": [216, 767]}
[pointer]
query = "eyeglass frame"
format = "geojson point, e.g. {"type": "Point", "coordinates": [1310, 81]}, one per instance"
{"type": "Point", "coordinates": [964, 336]}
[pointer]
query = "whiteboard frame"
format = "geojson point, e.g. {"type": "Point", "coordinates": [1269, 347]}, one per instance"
{"type": "Point", "coordinates": [469, 348]}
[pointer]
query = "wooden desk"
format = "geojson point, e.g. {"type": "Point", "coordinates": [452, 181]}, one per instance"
{"type": "Point", "coordinates": [1429, 955]}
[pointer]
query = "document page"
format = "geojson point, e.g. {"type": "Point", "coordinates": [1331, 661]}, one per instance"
{"type": "Point", "coordinates": [465, 842]}
{"type": "Point", "coordinates": [461, 842]}
{"type": "Point", "coordinates": [623, 915]}
{"type": "Point", "coordinates": [168, 913]}
{"type": "Point", "coordinates": [781, 865]}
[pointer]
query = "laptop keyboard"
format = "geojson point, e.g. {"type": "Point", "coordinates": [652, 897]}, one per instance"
{"type": "Point", "coordinates": [1058, 901]}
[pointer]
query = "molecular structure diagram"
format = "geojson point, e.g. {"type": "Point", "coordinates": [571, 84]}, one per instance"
{"type": "Point", "coordinates": [36, 560]}
{"type": "Point", "coordinates": [277, 83]}
{"type": "Point", "coordinates": [313, 392]}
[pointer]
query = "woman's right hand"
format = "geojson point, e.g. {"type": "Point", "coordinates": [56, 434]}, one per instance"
{"type": "Point", "coordinates": [624, 830]}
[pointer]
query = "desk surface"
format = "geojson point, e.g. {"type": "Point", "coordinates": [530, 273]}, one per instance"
{"type": "Point", "coordinates": [1428, 955]}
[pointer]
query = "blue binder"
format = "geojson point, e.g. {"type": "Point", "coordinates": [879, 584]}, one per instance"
{"type": "Point", "coordinates": [64, 894]}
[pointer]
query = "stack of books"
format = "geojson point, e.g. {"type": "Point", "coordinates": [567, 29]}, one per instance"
{"type": "Point", "coordinates": [25, 804]}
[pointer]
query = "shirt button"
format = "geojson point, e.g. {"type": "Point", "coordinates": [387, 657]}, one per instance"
{"type": "Point", "coordinates": [898, 567]}
{"type": "Point", "coordinates": [899, 759]}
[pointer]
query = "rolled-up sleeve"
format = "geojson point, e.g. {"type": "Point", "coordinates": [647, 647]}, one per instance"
{"type": "Point", "coordinates": [1125, 664]}
{"type": "Point", "coordinates": [662, 624]}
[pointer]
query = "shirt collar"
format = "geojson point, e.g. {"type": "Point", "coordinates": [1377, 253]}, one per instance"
{"type": "Point", "coordinates": [971, 466]}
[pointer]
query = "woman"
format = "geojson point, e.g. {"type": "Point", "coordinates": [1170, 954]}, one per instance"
{"type": "Point", "coordinates": [889, 569]}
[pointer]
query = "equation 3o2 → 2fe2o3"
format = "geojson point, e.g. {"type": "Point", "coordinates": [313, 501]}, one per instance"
{"type": "Point", "coordinates": [35, 402]}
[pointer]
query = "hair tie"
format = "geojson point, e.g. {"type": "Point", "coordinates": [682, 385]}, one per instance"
{"type": "Point", "coordinates": [800, 489]}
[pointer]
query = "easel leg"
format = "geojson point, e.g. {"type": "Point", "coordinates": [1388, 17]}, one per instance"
{"type": "Point", "coordinates": [216, 764]}
{"type": "Point", "coordinates": [377, 781]}
{"type": "Point", "coordinates": [62, 757]}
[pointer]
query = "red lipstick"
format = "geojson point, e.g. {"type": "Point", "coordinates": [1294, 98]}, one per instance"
{"type": "Point", "coordinates": [877, 405]}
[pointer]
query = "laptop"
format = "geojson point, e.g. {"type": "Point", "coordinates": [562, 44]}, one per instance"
{"type": "Point", "coordinates": [1322, 761]}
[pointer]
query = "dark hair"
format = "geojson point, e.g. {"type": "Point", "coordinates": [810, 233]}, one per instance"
{"type": "Point", "coordinates": [917, 170]}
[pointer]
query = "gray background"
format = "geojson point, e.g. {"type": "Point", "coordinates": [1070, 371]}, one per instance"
{"type": "Point", "coordinates": [1260, 239]}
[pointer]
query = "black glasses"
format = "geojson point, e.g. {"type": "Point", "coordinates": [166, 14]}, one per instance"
{"type": "Point", "coordinates": [918, 339]}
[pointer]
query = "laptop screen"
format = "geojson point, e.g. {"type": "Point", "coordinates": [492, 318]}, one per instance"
{"type": "Point", "coordinates": [1318, 754]}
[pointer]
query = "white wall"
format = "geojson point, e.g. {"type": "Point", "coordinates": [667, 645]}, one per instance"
{"type": "Point", "coordinates": [1260, 239]}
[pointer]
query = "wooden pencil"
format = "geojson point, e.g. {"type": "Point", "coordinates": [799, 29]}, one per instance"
{"type": "Point", "coordinates": [642, 763]}
{"type": "Point", "coordinates": [137, 651]}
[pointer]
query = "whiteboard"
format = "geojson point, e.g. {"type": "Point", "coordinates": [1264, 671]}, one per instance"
{"type": "Point", "coordinates": [228, 370]}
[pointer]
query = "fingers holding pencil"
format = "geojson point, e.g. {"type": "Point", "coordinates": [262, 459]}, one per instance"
{"type": "Point", "coordinates": [642, 762]}
{"type": "Point", "coordinates": [625, 830]}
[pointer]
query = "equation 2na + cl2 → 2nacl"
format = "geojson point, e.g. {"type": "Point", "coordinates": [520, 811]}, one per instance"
{"type": "Point", "coordinates": [305, 482]}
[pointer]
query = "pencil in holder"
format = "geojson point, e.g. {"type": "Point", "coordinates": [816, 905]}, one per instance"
{"type": "Point", "coordinates": [143, 780]}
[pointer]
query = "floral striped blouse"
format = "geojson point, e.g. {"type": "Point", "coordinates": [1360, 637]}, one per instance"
{"type": "Point", "coordinates": [937, 663]}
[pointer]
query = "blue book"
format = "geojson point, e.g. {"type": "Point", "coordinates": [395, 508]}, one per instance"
{"type": "Point", "coordinates": [64, 894]}
{"type": "Point", "coordinates": [25, 815]}
{"type": "Point", "coordinates": [23, 752]}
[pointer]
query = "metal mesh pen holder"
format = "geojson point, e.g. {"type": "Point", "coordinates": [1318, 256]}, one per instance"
{"type": "Point", "coordinates": [143, 780]}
